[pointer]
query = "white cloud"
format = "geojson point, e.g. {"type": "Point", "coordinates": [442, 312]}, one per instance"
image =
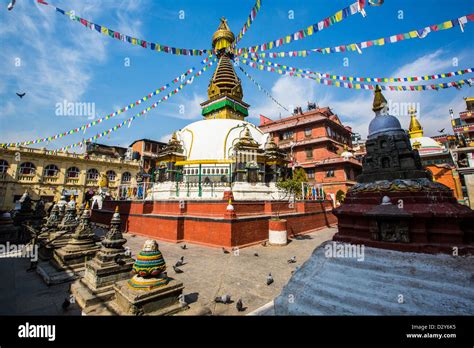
{"type": "Point", "coordinates": [356, 111]}
{"type": "Point", "coordinates": [165, 138]}
{"type": "Point", "coordinates": [184, 108]}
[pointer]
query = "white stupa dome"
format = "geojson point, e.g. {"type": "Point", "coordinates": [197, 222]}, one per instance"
{"type": "Point", "coordinates": [426, 145]}
{"type": "Point", "coordinates": [214, 139]}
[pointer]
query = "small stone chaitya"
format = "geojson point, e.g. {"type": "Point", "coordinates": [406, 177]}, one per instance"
{"type": "Point", "coordinates": [81, 246]}
{"type": "Point", "coordinates": [149, 268]}
{"type": "Point", "coordinates": [150, 291]}
{"type": "Point", "coordinates": [111, 264]}
{"type": "Point", "coordinates": [395, 203]}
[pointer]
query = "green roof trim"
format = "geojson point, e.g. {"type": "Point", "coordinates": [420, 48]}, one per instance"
{"type": "Point", "coordinates": [222, 104]}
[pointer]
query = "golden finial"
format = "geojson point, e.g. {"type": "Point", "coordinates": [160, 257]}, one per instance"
{"type": "Point", "coordinates": [379, 100]}
{"type": "Point", "coordinates": [230, 201]}
{"type": "Point", "coordinates": [415, 130]}
{"type": "Point", "coordinates": [116, 209]}
{"type": "Point", "coordinates": [87, 205]}
{"type": "Point", "coordinates": [223, 37]}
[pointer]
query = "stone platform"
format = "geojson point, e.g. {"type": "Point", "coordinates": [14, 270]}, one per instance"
{"type": "Point", "coordinates": [385, 282]}
{"type": "Point", "coordinates": [205, 222]}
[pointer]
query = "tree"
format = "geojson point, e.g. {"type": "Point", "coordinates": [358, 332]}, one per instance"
{"type": "Point", "coordinates": [340, 196]}
{"type": "Point", "coordinates": [292, 186]}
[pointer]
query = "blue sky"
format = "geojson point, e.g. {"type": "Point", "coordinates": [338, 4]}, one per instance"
{"type": "Point", "coordinates": [62, 60]}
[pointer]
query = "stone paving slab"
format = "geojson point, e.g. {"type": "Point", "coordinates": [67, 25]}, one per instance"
{"type": "Point", "coordinates": [208, 273]}
{"type": "Point", "coordinates": [25, 293]}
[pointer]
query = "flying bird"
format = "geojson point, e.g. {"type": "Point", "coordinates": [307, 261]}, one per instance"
{"type": "Point", "coordinates": [240, 306]}
{"type": "Point", "coordinates": [11, 5]}
{"type": "Point", "coordinates": [292, 260]}
{"type": "Point", "coordinates": [222, 299]}
{"type": "Point", "coordinates": [441, 130]}
{"type": "Point", "coordinates": [183, 246]}
{"type": "Point", "coordinates": [177, 270]}
{"type": "Point", "coordinates": [21, 95]}
{"type": "Point", "coordinates": [269, 279]}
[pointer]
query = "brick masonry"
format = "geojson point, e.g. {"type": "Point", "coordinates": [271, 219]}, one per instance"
{"type": "Point", "coordinates": [206, 222]}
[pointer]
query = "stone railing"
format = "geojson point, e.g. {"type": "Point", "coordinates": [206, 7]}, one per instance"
{"type": "Point", "coordinates": [26, 177]}
{"type": "Point", "coordinates": [50, 179]}
{"type": "Point", "coordinates": [44, 151]}
{"type": "Point", "coordinates": [72, 181]}
{"type": "Point", "coordinates": [92, 182]}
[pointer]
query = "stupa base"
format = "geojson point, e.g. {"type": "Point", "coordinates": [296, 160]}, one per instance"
{"type": "Point", "coordinates": [161, 300]}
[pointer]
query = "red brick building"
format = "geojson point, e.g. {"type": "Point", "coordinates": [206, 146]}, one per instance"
{"type": "Point", "coordinates": [317, 141]}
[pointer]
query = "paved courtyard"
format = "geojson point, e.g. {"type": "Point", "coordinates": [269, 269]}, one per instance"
{"type": "Point", "coordinates": [207, 273]}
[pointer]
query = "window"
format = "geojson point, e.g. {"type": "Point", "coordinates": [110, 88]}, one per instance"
{"type": "Point", "coordinates": [308, 132]}
{"type": "Point", "coordinates": [147, 146]}
{"type": "Point", "coordinates": [72, 172]}
{"type": "Point", "coordinates": [310, 173]}
{"type": "Point", "coordinates": [51, 170]}
{"type": "Point", "coordinates": [27, 168]}
{"type": "Point", "coordinates": [92, 174]}
{"type": "Point", "coordinates": [309, 152]}
{"type": "Point", "coordinates": [126, 177]}
{"type": "Point", "coordinates": [329, 131]}
{"type": "Point", "coordinates": [330, 173]}
{"type": "Point", "coordinates": [111, 176]}
{"type": "Point", "coordinates": [3, 166]}
{"type": "Point", "coordinates": [286, 135]}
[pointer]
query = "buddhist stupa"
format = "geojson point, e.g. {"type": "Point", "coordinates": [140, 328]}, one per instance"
{"type": "Point", "coordinates": [223, 148]}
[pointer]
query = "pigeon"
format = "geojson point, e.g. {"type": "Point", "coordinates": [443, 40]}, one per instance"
{"type": "Point", "coordinates": [66, 304]}
{"type": "Point", "coordinates": [441, 130]}
{"type": "Point", "coordinates": [11, 5]}
{"type": "Point", "coordinates": [264, 243]}
{"type": "Point", "coordinates": [183, 246]}
{"type": "Point", "coordinates": [269, 279]}
{"type": "Point", "coordinates": [222, 299]}
{"type": "Point", "coordinates": [177, 270]}
{"type": "Point", "coordinates": [225, 251]}
{"type": "Point", "coordinates": [180, 262]}
{"type": "Point", "coordinates": [118, 260]}
{"type": "Point", "coordinates": [292, 260]}
{"type": "Point", "coordinates": [182, 300]}
{"type": "Point", "coordinates": [239, 305]}
{"type": "Point", "coordinates": [256, 254]}
{"type": "Point", "coordinates": [32, 267]}
{"type": "Point", "coordinates": [21, 95]}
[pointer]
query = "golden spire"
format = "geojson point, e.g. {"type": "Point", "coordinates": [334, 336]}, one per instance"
{"type": "Point", "coordinates": [379, 100]}
{"type": "Point", "coordinates": [415, 130]}
{"type": "Point", "coordinates": [116, 209]}
{"type": "Point", "coordinates": [225, 88]}
{"type": "Point", "coordinates": [223, 38]}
